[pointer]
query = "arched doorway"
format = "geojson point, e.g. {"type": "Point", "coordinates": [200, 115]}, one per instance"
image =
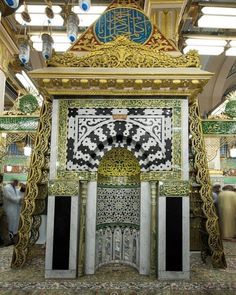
{"type": "Point", "coordinates": [118, 209]}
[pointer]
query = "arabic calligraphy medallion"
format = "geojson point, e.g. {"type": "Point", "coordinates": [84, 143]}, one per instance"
{"type": "Point", "coordinates": [123, 21]}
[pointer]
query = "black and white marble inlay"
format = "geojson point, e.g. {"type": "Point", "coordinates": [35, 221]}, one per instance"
{"type": "Point", "coordinates": [145, 132]}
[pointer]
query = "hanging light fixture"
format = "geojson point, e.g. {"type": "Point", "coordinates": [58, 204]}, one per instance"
{"type": "Point", "coordinates": [47, 46]}
{"type": "Point", "coordinates": [25, 14]}
{"type": "Point", "coordinates": [48, 10]}
{"type": "Point", "coordinates": [24, 51]}
{"type": "Point", "coordinates": [72, 26]}
{"type": "Point", "coordinates": [12, 3]}
{"type": "Point", "coordinates": [85, 4]}
{"type": "Point", "coordinates": [24, 48]}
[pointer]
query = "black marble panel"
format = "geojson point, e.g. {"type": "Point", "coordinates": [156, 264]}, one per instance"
{"type": "Point", "coordinates": [61, 237]}
{"type": "Point", "coordinates": [174, 234]}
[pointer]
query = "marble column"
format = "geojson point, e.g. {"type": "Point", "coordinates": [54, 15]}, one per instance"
{"type": "Point", "coordinates": [153, 252]}
{"type": "Point", "coordinates": [82, 228]}
{"type": "Point", "coordinates": [90, 237]}
{"type": "Point", "coordinates": [145, 225]}
{"type": "Point", "coordinates": [2, 90]}
{"type": "Point", "coordinates": [54, 140]}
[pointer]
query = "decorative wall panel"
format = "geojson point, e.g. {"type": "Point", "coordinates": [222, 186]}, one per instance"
{"type": "Point", "coordinates": [120, 245]}
{"type": "Point", "coordinates": [144, 131]}
{"type": "Point", "coordinates": [117, 206]}
{"type": "Point", "coordinates": [118, 223]}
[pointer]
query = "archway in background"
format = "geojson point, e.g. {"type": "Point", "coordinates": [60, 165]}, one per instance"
{"type": "Point", "coordinates": [118, 209]}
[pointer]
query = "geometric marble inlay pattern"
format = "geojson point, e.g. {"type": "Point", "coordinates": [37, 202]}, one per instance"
{"type": "Point", "coordinates": [94, 131]}
{"type": "Point", "coordinates": [116, 206]}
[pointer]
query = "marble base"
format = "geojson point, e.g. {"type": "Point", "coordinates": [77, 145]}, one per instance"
{"type": "Point", "coordinates": [58, 274]}
{"type": "Point", "coordinates": [174, 275]}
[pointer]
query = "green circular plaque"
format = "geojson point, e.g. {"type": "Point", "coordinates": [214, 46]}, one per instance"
{"type": "Point", "coordinates": [123, 21]}
{"type": "Point", "coordinates": [28, 104]}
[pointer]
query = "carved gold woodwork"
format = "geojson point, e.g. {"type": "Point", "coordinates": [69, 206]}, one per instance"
{"type": "Point", "coordinates": [174, 189]}
{"type": "Point", "coordinates": [119, 162]}
{"type": "Point", "coordinates": [125, 53]}
{"type": "Point", "coordinates": [5, 57]}
{"type": "Point", "coordinates": [33, 200]}
{"type": "Point", "coordinates": [203, 179]}
{"type": "Point", "coordinates": [165, 14]}
{"type": "Point", "coordinates": [63, 188]}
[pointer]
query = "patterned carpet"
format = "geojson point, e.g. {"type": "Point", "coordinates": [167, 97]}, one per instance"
{"type": "Point", "coordinates": [116, 281]}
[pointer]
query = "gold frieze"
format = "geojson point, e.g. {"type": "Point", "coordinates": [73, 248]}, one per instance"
{"type": "Point", "coordinates": [123, 53]}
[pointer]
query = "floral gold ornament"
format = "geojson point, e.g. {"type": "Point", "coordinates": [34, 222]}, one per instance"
{"type": "Point", "coordinates": [123, 53]}
{"type": "Point", "coordinates": [174, 189]}
{"type": "Point", "coordinates": [63, 188]}
{"type": "Point", "coordinates": [119, 162]}
{"type": "Point", "coordinates": [119, 167]}
{"type": "Point", "coordinates": [127, 3]}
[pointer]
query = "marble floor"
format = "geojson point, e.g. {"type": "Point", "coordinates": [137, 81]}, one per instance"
{"type": "Point", "coordinates": [117, 280]}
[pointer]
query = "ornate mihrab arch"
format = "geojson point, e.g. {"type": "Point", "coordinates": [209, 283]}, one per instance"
{"type": "Point", "coordinates": [93, 132]}
{"type": "Point", "coordinates": [122, 67]}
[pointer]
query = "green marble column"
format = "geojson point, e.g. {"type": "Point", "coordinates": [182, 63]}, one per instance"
{"type": "Point", "coordinates": [153, 251]}
{"type": "Point", "coordinates": [82, 225]}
